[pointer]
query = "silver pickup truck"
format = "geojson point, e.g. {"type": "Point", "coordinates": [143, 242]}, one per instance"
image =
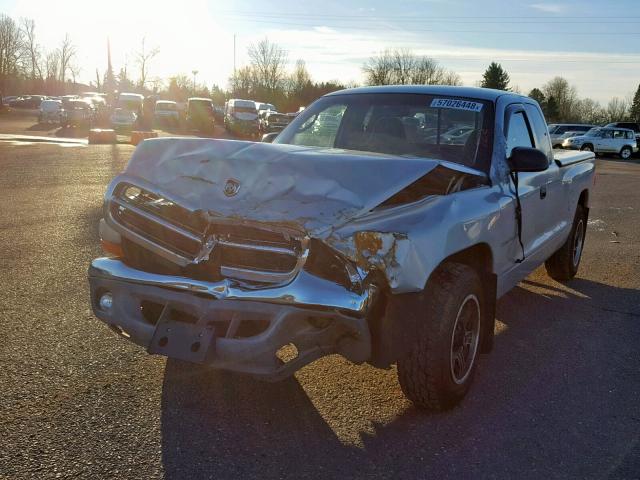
{"type": "Point", "coordinates": [360, 231]}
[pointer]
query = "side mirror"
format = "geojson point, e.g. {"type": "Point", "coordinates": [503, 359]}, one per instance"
{"type": "Point", "coordinates": [269, 137]}
{"type": "Point", "coordinates": [527, 159]}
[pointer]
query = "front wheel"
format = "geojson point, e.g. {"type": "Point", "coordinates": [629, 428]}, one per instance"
{"type": "Point", "coordinates": [563, 265]}
{"type": "Point", "coordinates": [625, 153]}
{"type": "Point", "coordinates": [587, 148]}
{"type": "Point", "coordinates": [437, 368]}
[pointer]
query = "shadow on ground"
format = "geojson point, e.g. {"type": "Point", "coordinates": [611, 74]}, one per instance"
{"type": "Point", "coordinates": [540, 384]}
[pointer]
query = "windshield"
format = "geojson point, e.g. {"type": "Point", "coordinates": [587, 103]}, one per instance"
{"type": "Point", "coordinates": [434, 126]}
{"type": "Point", "coordinates": [594, 132]}
{"type": "Point", "coordinates": [165, 106]}
{"type": "Point", "coordinates": [240, 109]}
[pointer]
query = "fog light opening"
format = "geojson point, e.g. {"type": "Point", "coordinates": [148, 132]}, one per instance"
{"type": "Point", "coordinates": [106, 301]}
{"type": "Point", "coordinates": [287, 353]}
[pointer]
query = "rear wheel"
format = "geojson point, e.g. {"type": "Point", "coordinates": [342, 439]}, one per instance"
{"type": "Point", "coordinates": [563, 265]}
{"type": "Point", "coordinates": [438, 367]}
{"type": "Point", "coordinates": [625, 153]}
{"type": "Point", "coordinates": [587, 147]}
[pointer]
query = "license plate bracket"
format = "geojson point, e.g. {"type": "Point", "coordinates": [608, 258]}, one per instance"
{"type": "Point", "coordinates": [191, 342]}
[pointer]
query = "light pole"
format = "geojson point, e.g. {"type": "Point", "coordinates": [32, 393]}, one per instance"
{"type": "Point", "coordinates": [195, 72]}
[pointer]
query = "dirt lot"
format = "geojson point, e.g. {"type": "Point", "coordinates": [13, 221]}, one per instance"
{"type": "Point", "coordinates": [558, 398]}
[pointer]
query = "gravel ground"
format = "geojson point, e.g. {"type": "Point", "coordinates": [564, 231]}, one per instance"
{"type": "Point", "coordinates": [558, 397]}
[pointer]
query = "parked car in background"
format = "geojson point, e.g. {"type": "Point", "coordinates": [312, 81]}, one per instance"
{"type": "Point", "coordinates": [78, 113]}
{"type": "Point", "coordinates": [51, 111]}
{"type": "Point", "coordinates": [557, 130]}
{"type": "Point", "coordinates": [241, 118]}
{"type": "Point", "coordinates": [27, 102]}
{"type": "Point", "coordinates": [131, 101]}
{"type": "Point", "coordinates": [621, 141]}
{"type": "Point", "coordinates": [271, 121]}
{"type": "Point", "coordinates": [123, 119]}
{"type": "Point", "coordinates": [265, 107]}
{"type": "Point", "coordinates": [218, 114]}
{"type": "Point", "coordinates": [200, 115]}
{"type": "Point", "coordinates": [166, 113]}
{"type": "Point", "coordinates": [630, 125]}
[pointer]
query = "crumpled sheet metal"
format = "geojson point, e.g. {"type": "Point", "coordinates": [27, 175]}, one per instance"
{"type": "Point", "coordinates": [393, 254]}
{"type": "Point", "coordinates": [278, 183]}
{"type": "Point", "coordinates": [327, 195]}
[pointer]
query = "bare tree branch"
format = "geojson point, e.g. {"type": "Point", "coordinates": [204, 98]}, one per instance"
{"type": "Point", "coordinates": [143, 58]}
{"type": "Point", "coordinates": [31, 48]}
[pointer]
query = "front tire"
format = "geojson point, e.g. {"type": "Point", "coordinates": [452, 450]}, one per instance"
{"type": "Point", "coordinates": [437, 368]}
{"type": "Point", "coordinates": [563, 265]}
{"type": "Point", "coordinates": [587, 148]}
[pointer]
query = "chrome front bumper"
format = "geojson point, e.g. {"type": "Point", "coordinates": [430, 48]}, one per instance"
{"type": "Point", "coordinates": [317, 316]}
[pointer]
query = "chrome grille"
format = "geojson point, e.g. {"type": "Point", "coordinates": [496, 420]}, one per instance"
{"type": "Point", "coordinates": [249, 253]}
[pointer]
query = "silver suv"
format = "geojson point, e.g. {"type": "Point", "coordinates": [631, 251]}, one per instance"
{"type": "Point", "coordinates": [560, 131]}
{"type": "Point", "coordinates": [605, 140]}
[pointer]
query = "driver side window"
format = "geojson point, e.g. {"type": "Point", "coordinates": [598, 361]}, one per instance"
{"type": "Point", "coordinates": [518, 133]}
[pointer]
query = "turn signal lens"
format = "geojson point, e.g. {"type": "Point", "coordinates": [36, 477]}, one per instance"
{"type": "Point", "coordinates": [112, 249]}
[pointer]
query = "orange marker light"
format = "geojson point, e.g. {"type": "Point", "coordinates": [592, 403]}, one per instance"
{"type": "Point", "coordinates": [112, 249]}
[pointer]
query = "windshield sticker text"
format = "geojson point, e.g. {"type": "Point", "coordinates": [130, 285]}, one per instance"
{"type": "Point", "coordinates": [456, 104]}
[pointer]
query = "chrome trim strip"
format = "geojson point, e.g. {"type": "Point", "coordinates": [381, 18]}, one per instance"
{"type": "Point", "coordinates": [157, 219]}
{"type": "Point", "coordinates": [206, 246]}
{"type": "Point", "coordinates": [261, 248]}
{"type": "Point", "coordinates": [305, 289]}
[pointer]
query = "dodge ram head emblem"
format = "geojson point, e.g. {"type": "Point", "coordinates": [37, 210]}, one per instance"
{"type": "Point", "coordinates": [231, 187]}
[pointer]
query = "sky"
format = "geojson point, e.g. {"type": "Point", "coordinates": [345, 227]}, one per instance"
{"type": "Point", "coordinates": [595, 44]}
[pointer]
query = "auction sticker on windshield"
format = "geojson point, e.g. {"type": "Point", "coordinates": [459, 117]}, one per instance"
{"type": "Point", "coordinates": [456, 104]}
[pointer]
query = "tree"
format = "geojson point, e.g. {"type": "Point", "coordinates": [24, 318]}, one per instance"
{"type": "Point", "coordinates": [495, 77]}
{"type": "Point", "coordinates": [143, 58]}
{"type": "Point", "coordinates": [616, 110]}
{"type": "Point", "coordinates": [552, 112]}
{"type": "Point", "coordinates": [378, 70]}
{"type": "Point", "coordinates": [538, 96]}
{"type": "Point", "coordinates": [268, 63]}
{"type": "Point", "coordinates": [10, 49]}
{"type": "Point", "coordinates": [32, 49]}
{"type": "Point", "coordinates": [634, 110]}
{"type": "Point", "coordinates": [566, 98]}
{"type": "Point", "coordinates": [67, 56]}
{"type": "Point", "coordinates": [299, 80]}
{"type": "Point", "coordinates": [402, 67]}
{"type": "Point", "coordinates": [590, 111]}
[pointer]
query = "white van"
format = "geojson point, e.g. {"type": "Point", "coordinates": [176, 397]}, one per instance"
{"type": "Point", "coordinates": [131, 102]}
{"type": "Point", "coordinates": [241, 117]}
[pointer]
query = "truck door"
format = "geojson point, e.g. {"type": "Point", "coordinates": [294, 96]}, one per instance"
{"type": "Point", "coordinates": [554, 214]}
{"type": "Point", "coordinates": [533, 188]}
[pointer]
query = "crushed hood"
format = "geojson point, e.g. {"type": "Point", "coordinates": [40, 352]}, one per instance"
{"type": "Point", "coordinates": [309, 187]}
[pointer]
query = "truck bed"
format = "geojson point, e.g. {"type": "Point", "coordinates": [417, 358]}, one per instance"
{"type": "Point", "coordinates": [569, 157]}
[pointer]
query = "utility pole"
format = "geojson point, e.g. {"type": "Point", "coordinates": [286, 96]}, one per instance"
{"type": "Point", "coordinates": [195, 72]}
{"type": "Point", "coordinates": [234, 54]}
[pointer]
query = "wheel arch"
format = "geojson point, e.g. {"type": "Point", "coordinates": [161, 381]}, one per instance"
{"type": "Point", "coordinates": [398, 314]}
{"type": "Point", "coordinates": [584, 200]}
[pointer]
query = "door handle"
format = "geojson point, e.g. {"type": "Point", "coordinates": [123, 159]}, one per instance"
{"type": "Point", "coordinates": [543, 191]}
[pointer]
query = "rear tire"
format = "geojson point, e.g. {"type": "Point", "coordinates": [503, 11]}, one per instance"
{"type": "Point", "coordinates": [563, 265]}
{"type": "Point", "coordinates": [437, 368]}
{"type": "Point", "coordinates": [587, 148]}
{"type": "Point", "coordinates": [625, 153]}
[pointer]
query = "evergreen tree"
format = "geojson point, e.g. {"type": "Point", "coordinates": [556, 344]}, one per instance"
{"type": "Point", "coordinates": [538, 96]}
{"type": "Point", "coordinates": [634, 111]}
{"type": "Point", "coordinates": [551, 111]}
{"type": "Point", "coordinates": [495, 77]}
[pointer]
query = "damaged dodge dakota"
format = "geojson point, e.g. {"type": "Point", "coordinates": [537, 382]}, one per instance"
{"type": "Point", "coordinates": [382, 224]}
